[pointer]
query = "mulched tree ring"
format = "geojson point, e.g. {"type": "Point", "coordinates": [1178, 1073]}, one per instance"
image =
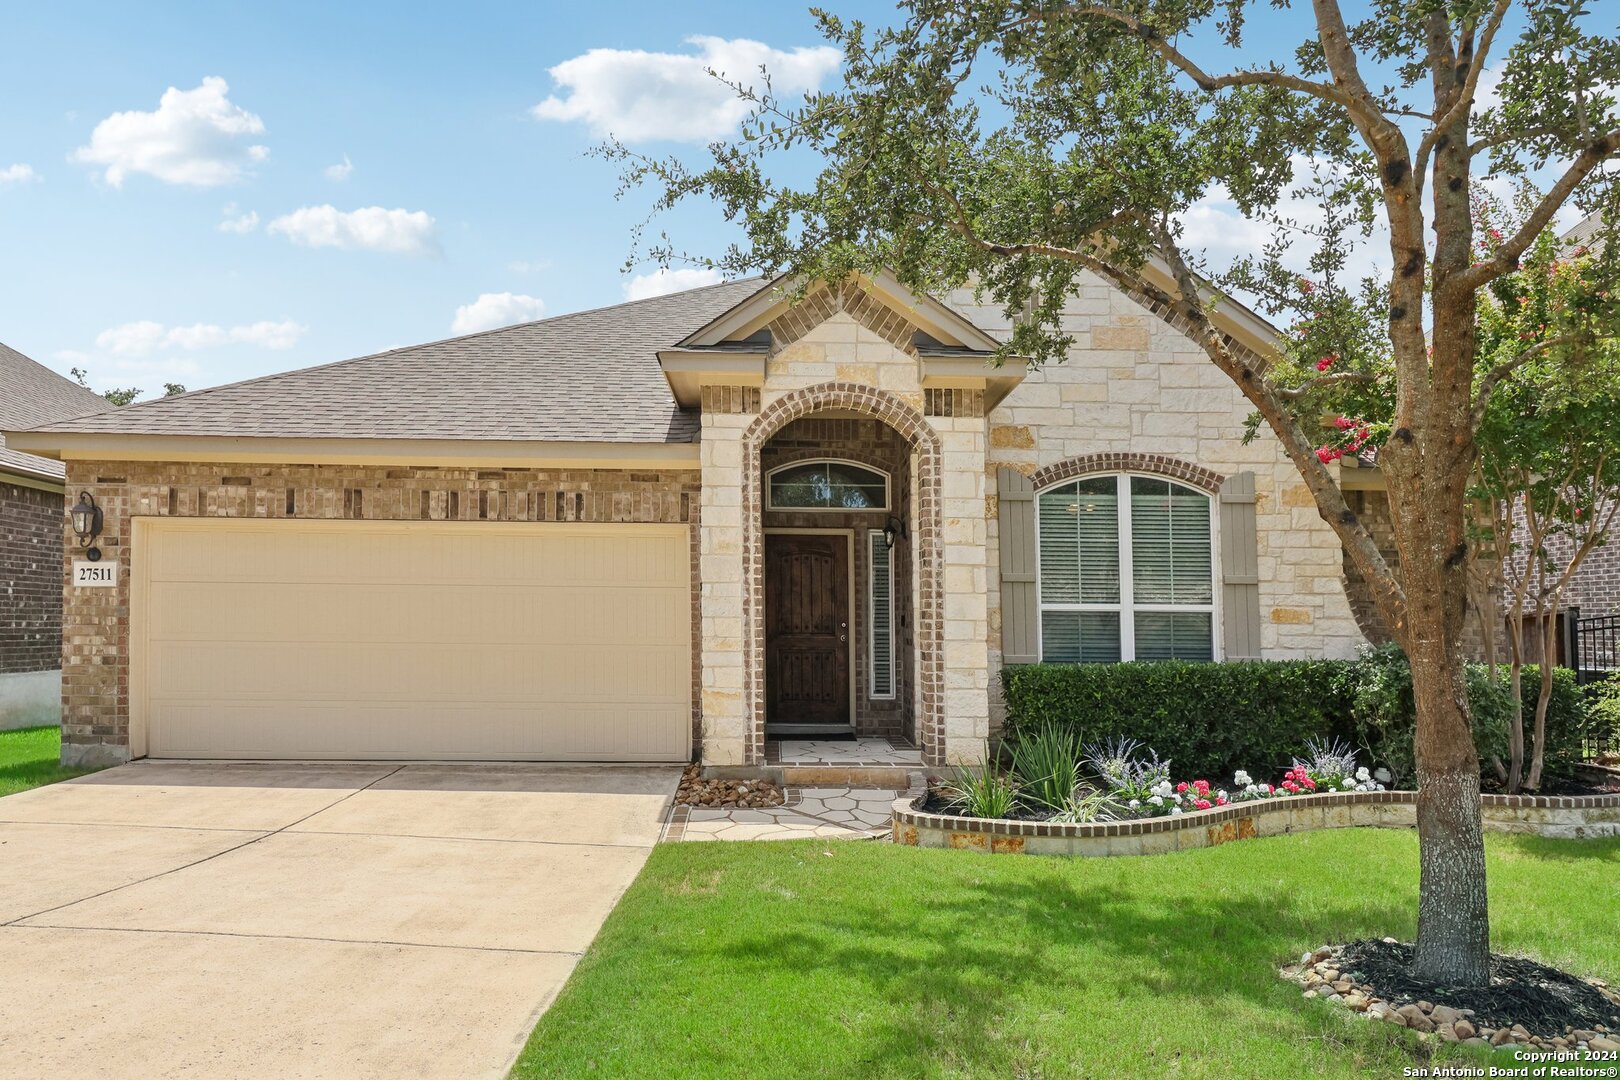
{"type": "Point", "coordinates": [1526, 1002]}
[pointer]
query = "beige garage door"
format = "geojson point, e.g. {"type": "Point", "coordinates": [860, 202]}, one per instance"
{"type": "Point", "coordinates": [356, 639]}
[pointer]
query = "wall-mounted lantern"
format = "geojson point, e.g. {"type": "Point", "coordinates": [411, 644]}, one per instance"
{"type": "Point", "coordinates": [86, 518]}
{"type": "Point", "coordinates": [894, 528]}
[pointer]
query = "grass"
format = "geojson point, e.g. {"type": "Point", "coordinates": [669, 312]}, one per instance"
{"type": "Point", "coordinates": [28, 759]}
{"type": "Point", "coordinates": [811, 959]}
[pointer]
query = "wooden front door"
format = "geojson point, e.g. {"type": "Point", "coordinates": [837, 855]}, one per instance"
{"type": "Point", "coordinates": [806, 629]}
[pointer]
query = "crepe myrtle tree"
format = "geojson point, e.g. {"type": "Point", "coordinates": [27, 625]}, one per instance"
{"type": "Point", "coordinates": [1545, 489]}
{"type": "Point", "coordinates": [1548, 472]}
{"type": "Point", "coordinates": [1024, 145]}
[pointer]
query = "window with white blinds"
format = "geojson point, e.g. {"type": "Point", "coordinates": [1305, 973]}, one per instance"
{"type": "Point", "coordinates": [1126, 571]}
{"type": "Point", "coordinates": [881, 616]}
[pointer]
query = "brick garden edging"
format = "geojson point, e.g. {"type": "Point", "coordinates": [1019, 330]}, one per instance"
{"type": "Point", "coordinates": [1568, 817]}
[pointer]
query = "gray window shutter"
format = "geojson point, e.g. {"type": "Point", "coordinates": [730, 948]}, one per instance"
{"type": "Point", "coordinates": [1020, 617]}
{"type": "Point", "coordinates": [1240, 569]}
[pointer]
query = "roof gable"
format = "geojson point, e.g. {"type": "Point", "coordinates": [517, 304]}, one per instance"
{"type": "Point", "coordinates": [30, 394]}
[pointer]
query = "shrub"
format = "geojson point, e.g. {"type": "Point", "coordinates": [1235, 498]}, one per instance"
{"type": "Point", "coordinates": [1206, 719]}
{"type": "Point", "coordinates": [1047, 765]}
{"type": "Point", "coordinates": [1213, 719]}
{"type": "Point", "coordinates": [981, 792]}
{"type": "Point", "coordinates": [1604, 710]}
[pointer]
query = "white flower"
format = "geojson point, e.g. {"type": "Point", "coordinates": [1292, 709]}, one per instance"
{"type": "Point", "coordinates": [1242, 779]}
{"type": "Point", "coordinates": [1347, 783]}
{"type": "Point", "coordinates": [1220, 794]}
{"type": "Point", "coordinates": [1382, 776]}
{"type": "Point", "coordinates": [1135, 804]}
{"type": "Point", "coordinates": [1362, 774]}
{"type": "Point", "coordinates": [1175, 809]}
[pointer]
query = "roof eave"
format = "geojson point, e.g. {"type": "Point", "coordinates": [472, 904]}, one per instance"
{"type": "Point", "coordinates": [458, 453]}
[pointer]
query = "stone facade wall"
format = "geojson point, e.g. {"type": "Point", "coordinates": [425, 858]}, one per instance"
{"type": "Point", "coordinates": [32, 523]}
{"type": "Point", "coordinates": [1134, 385]}
{"type": "Point", "coordinates": [95, 673]}
{"type": "Point", "coordinates": [1569, 818]}
{"type": "Point", "coordinates": [872, 443]}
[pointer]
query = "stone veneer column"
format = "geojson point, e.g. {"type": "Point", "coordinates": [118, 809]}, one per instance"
{"type": "Point", "coordinates": [726, 723]}
{"type": "Point", "coordinates": [966, 630]}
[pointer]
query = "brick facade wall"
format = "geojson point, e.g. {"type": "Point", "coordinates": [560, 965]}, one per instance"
{"type": "Point", "coordinates": [95, 675]}
{"type": "Point", "coordinates": [31, 528]}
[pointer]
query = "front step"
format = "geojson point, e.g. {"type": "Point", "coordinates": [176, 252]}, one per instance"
{"type": "Point", "coordinates": [889, 777]}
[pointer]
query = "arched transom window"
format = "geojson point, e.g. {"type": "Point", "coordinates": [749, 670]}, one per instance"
{"type": "Point", "coordinates": [827, 485]}
{"type": "Point", "coordinates": [1126, 570]}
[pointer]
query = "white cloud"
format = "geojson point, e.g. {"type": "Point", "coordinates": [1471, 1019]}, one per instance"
{"type": "Point", "coordinates": [637, 95]}
{"type": "Point", "coordinates": [341, 170]}
{"type": "Point", "coordinates": [138, 339]}
{"type": "Point", "coordinates": [496, 309]}
{"type": "Point", "coordinates": [195, 137]}
{"type": "Point", "coordinates": [18, 174]}
{"type": "Point", "coordinates": [238, 222]}
{"type": "Point", "coordinates": [664, 281]}
{"type": "Point", "coordinates": [1214, 226]}
{"type": "Point", "coordinates": [371, 228]}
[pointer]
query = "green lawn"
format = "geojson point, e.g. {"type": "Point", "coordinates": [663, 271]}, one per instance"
{"type": "Point", "coordinates": [28, 759]}
{"type": "Point", "coordinates": [863, 960]}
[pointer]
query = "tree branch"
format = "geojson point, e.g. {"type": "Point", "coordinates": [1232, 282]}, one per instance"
{"type": "Point", "coordinates": [1510, 250]}
{"type": "Point", "coordinates": [1465, 96]}
{"type": "Point", "coordinates": [1294, 393]}
{"type": "Point", "coordinates": [1494, 377]}
{"type": "Point", "coordinates": [1363, 105]}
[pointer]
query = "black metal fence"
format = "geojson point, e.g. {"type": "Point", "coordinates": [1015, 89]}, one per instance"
{"type": "Point", "coordinates": [1597, 648]}
{"type": "Point", "coordinates": [1595, 655]}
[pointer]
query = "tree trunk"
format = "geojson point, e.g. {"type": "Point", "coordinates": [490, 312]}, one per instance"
{"type": "Point", "coordinates": [1549, 661]}
{"type": "Point", "coordinates": [1516, 690]}
{"type": "Point", "coordinates": [1453, 942]}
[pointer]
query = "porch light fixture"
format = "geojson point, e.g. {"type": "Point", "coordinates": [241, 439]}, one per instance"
{"type": "Point", "coordinates": [894, 528]}
{"type": "Point", "coordinates": [86, 518]}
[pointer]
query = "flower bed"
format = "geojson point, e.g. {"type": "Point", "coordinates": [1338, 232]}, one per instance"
{"type": "Point", "coordinates": [1565, 817]}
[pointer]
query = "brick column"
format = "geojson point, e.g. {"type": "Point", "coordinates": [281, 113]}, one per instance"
{"type": "Point", "coordinates": [964, 540]}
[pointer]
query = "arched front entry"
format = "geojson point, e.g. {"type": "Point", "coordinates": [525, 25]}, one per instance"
{"type": "Point", "coordinates": [922, 533]}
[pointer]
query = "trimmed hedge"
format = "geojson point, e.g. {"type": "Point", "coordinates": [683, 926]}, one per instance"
{"type": "Point", "coordinates": [1208, 719]}
{"type": "Point", "coordinates": [1212, 719]}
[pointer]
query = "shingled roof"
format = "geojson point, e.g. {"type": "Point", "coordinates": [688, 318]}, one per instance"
{"type": "Point", "coordinates": [31, 394]}
{"type": "Point", "coordinates": [590, 376]}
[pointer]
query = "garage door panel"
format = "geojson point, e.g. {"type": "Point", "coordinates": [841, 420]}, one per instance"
{"type": "Point", "coordinates": [459, 733]}
{"type": "Point", "coordinates": [414, 640]}
{"type": "Point", "coordinates": [266, 611]}
{"type": "Point", "coordinates": [359, 672]}
{"type": "Point", "coordinates": [241, 553]}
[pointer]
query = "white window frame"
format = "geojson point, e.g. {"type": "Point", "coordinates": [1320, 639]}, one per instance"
{"type": "Point", "coordinates": [770, 494]}
{"type": "Point", "coordinates": [874, 540]}
{"type": "Point", "coordinates": [1126, 607]}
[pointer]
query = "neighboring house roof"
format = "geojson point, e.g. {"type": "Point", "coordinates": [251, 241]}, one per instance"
{"type": "Point", "coordinates": [1584, 232]}
{"type": "Point", "coordinates": [33, 394]}
{"type": "Point", "coordinates": [590, 376]}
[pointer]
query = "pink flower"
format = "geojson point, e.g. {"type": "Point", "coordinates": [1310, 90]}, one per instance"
{"type": "Point", "coordinates": [1181, 788]}
{"type": "Point", "coordinates": [1201, 804]}
{"type": "Point", "coordinates": [1290, 787]}
{"type": "Point", "coordinates": [1343, 423]}
{"type": "Point", "coordinates": [1327, 455]}
{"type": "Point", "coordinates": [1327, 361]}
{"type": "Point", "coordinates": [1220, 800]}
{"type": "Point", "coordinates": [1309, 783]}
{"type": "Point", "coordinates": [1202, 786]}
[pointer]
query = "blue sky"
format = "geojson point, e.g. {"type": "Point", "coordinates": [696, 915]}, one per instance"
{"type": "Point", "coordinates": [205, 192]}
{"type": "Point", "coordinates": [115, 256]}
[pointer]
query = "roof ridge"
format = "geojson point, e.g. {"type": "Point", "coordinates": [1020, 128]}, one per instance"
{"type": "Point", "coordinates": [272, 376]}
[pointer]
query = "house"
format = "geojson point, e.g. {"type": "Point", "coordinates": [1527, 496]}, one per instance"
{"type": "Point", "coordinates": [31, 526]}
{"type": "Point", "coordinates": [669, 529]}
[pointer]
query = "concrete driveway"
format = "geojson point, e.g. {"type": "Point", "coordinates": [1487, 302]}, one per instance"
{"type": "Point", "coordinates": [164, 919]}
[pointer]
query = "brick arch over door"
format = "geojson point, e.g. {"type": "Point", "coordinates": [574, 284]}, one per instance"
{"type": "Point", "coordinates": [1205, 480]}
{"type": "Point", "coordinates": [929, 693]}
